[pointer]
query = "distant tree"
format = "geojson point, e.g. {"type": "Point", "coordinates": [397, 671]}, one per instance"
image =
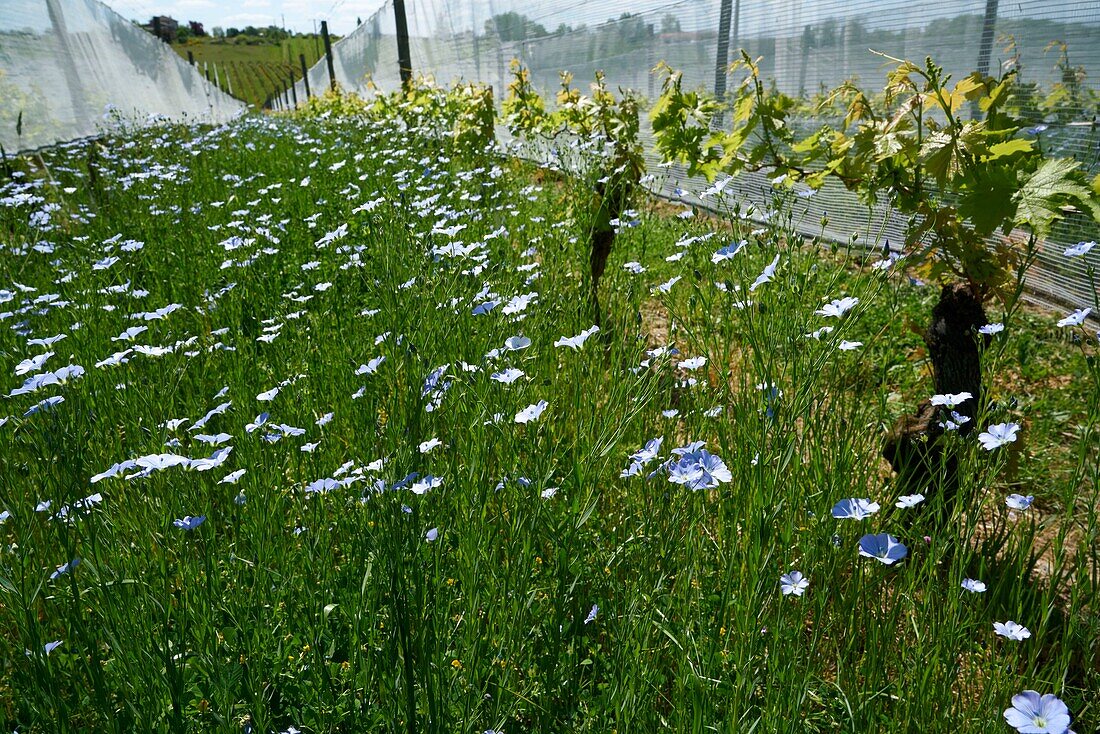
{"type": "Point", "coordinates": [670, 24]}
{"type": "Point", "coordinates": [273, 33]}
{"type": "Point", "coordinates": [809, 38]}
{"type": "Point", "coordinates": [183, 33]}
{"type": "Point", "coordinates": [232, 32]}
{"type": "Point", "coordinates": [513, 26]}
{"type": "Point", "coordinates": [196, 28]}
{"type": "Point", "coordinates": [858, 33]}
{"type": "Point", "coordinates": [632, 30]}
{"type": "Point", "coordinates": [217, 31]}
{"type": "Point", "coordinates": [562, 29]}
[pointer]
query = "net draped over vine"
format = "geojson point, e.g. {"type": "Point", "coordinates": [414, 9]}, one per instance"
{"type": "Point", "coordinates": [71, 68]}
{"type": "Point", "coordinates": [806, 46]}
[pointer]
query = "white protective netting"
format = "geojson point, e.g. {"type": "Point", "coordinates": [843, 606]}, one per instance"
{"type": "Point", "coordinates": [69, 68]}
{"type": "Point", "coordinates": [806, 45]}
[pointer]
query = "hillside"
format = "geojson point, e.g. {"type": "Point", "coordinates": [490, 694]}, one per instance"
{"type": "Point", "coordinates": [251, 68]}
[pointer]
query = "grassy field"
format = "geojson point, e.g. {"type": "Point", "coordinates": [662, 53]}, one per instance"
{"type": "Point", "coordinates": [252, 71]}
{"type": "Point", "coordinates": [307, 425]}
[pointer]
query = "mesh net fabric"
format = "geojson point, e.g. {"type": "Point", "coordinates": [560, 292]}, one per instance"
{"type": "Point", "coordinates": [805, 46]}
{"type": "Point", "coordinates": [68, 68]}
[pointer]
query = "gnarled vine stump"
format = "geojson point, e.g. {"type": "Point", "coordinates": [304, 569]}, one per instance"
{"type": "Point", "coordinates": [915, 446]}
{"type": "Point", "coordinates": [612, 198]}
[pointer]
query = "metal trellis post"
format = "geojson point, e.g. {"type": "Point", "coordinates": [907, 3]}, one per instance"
{"type": "Point", "coordinates": [404, 57]}
{"type": "Point", "coordinates": [985, 50]}
{"type": "Point", "coordinates": [328, 55]}
{"type": "Point", "coordinates": [305, 73]}
{"type": "Point", "coordinates": [721, 61]}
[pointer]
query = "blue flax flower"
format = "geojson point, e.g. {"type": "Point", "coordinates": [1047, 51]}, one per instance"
{"type": "Point", "coordinates": [189, 523]}
{"type": "Point", "coordinates": [793, 583]}
{"type": "Point", "coordinates": [699, 469]}
{"type": "Point", "coordinates": [1035, 714]}
{"type": "Point", "coordinates": [882, 547]}
{"type": "Point", "coordinates": [65, 568]}
{"type": "Point", "coordinates": [855, 508]}
{"type": "Point", "coordinates": [997, 435]}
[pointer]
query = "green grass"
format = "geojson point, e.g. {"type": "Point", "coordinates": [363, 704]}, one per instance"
{"type": "Point", "coordinates": [332, 612]}
{"type": "Point", "coordinates": [253, 71]}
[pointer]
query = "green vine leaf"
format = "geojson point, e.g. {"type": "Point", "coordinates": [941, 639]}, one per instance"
{"type": "Point", "coordinates": [987, 199]}
{"type": "Point", "coordinates": [1045, 193]}
{"type": "Point", "coordinates": [1010, 148]}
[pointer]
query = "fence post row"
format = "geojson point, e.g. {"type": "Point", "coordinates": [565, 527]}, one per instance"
{"type": "Point", "coordinates": [305, 73]}
{"type": "Point", "coordinates": [404, 57]}
{"type": "Point", "coordinates": [328, 55]}
{"type": "Point", "coordinates": [293, 91]}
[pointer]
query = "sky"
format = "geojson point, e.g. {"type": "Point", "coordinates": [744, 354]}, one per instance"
{"type": "Point", "coordinates": [424, 15]}
{"type": "Point", "coordinates": [342, 14]}
{"type": "Point", "coordinates": [299, 14]}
